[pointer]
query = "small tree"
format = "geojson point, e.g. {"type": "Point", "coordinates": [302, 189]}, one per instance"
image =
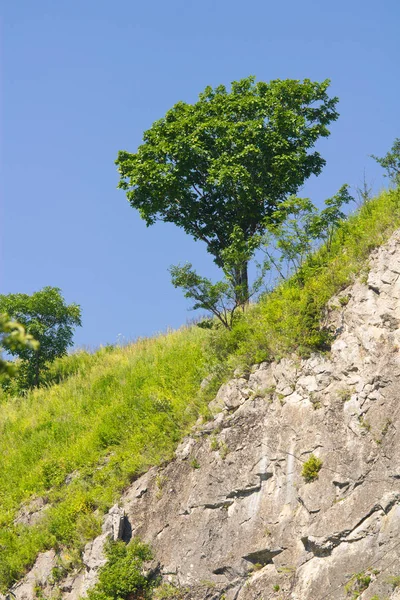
{"type": "Point", "coordinates": [225, 163]}
{"type": "Point", "coordinates": [391, 162]}
{"type": "Point", "coordinates": [47, 318]}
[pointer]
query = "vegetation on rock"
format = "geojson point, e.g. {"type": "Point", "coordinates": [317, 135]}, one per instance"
{"type": "Point", "coordinates": [122, 577]}
{"type": "Point", "coordinates": [311, 468]}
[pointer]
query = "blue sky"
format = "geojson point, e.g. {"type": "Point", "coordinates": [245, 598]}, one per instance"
{"type": "Point", "coordinates": [83, 79]}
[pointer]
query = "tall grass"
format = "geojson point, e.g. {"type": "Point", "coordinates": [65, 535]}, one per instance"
{"type": "Point", "coordinates": [81, 442]}
{"type": "Point", "coordinates": [78, 443]}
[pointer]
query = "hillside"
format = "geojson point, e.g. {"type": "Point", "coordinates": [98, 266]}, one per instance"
{"type": "Point", "coordinates": [325, 380]}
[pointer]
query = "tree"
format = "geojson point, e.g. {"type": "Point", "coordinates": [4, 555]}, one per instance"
{"type": "Point", "coordinates": [391, 162]}
{"type": "Point", "coordinates": [229, 160]}
{"type": "Point", "coordinates": [13, 338]}
{"type": "Point", "coordinates": [294, 233]}
{"type": "Point", "coordinates": [47, 318]}
{"type": "Point", "coordinates": [301, 228]}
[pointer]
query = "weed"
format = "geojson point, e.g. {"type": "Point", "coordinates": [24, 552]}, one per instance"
{"type": "Point", "coordinates": [386, 427]}
{"type": "Point", "coordinates": [357, 584]}
{"type": "Point", "coordinates": [276, 587]}
{"type": "Point", "coordinates": [223, 450]}
{"type": "Point", "coordinates": [394, 581]}
{"type": "Point", "coordinates": [194, 463]}
{"type": "Point", "coordinates": [364, 423]}
{"type": "Point", "coordinates": [344, 300]}
{"type": "Point", "coordinates": [311, 468]}
{"type": "Point", "coordinates": [214, 444]}
{"type": "Point", "coordinates": [344, 394]}
{"type": "Point", "coordinates": [168, 590]}
{"type": "Point", "coordinates": [208, 584]}
{"type": "Point", "coordinates": [160, 483]}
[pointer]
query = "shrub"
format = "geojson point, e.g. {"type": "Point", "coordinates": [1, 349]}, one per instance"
{"type": "Point", "coordinates": [122, 575]}
{"type": "Point", "coordinates": [311, 468]}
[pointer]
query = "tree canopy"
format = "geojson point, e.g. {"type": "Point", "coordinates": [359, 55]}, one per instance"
{"type": "Point", "coordinates": [50, 321]}
{"type": "Point", "coordinates": [228, 160]}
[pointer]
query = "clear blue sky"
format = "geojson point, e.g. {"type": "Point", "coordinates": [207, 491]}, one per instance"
{"type": "Point", "coordinates": [84, 78]}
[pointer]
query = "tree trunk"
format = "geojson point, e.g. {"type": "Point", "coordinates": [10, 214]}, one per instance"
{"type": "Point", "coordinates": [242, 285]}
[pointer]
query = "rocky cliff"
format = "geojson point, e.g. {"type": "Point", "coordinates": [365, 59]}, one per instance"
{"type": "Point", "coordinates": [232, 516]}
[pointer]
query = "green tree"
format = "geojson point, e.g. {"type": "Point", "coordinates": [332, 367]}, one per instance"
{"type": "Point", "coordinates": [13, 338]}
{"type": "Point", "coordinates": [50, 321]}
{"type": "Point", "coordinates": [391, 162]}
{"type": "Point", "coordinates": [228, 161]}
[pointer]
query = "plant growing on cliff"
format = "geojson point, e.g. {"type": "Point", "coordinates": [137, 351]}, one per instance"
{"type": "Point", "coordinates": [122, 577]}
{"type": "Point", "coordinates": [358, 583]}
{"type": "Point", "coordinates": [228, 161]}
{"type": "Point", "coordinates": [311, 468]}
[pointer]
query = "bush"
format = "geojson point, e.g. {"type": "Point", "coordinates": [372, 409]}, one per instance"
{"type": "Point", "coordinates": [123, 575]}
{"type": "Point", "coordinates": [311, 468]}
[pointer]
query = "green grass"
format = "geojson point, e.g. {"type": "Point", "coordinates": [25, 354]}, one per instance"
{"type": "Point", "coordinates": [123, 413]}
{"type": "Point", "coordinates": [107, 417]}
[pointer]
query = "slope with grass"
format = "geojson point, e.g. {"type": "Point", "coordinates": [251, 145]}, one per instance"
{"type": "Point", "coordinates": [69, 450]}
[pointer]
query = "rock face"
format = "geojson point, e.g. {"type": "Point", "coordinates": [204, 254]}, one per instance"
{"type": "Point", "coordinates": [232, 516]}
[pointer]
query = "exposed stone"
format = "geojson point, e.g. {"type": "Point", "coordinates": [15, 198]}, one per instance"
{"type": "Point", "coordinates": [33, 512]}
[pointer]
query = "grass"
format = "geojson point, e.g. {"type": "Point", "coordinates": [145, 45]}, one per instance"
{"type": "Point", "coordinates": [124, 412]}
{"type": "Point", "coordinates": [106, 418]}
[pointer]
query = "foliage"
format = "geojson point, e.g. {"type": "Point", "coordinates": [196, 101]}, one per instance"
{"type": "Point", "coordinates": [46, 317]}
{"type": "Point", "coordinates": [214, 297]}
{"type": "Point", "coordinates": [391, 162]}
{"type": "Point", "coordinates": [311, 468]}
{"type": "Point", "coordinates": [229, 160]}
{"type": "Point", "coordinates": [122, 575]}
{"type": "Point", "coordinates": [13, 339]}
{"type": "Point", "coordinates": [225, 297]}
{"type": "Point", "coordinates": [293, 233]}
{"type": "Point", "coordinates": [358, 583]}
{"type": "Point", "coordinates": [81, 442]}
{"type": "Point", "coordinates": [298, 228]}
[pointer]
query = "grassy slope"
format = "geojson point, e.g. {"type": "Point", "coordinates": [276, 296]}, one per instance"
{"type": "Point", "coordinates": [123, 410]}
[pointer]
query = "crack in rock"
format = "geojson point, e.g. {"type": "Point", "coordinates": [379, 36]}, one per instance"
{"type": "Point", "coordinates": [324, 546]}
